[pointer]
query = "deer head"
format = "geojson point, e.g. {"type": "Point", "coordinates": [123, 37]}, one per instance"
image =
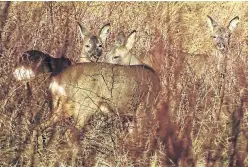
{"type": "Point", "coordinates": [93, 44]}
{"type": "Point", "coordinates": [220, 34]}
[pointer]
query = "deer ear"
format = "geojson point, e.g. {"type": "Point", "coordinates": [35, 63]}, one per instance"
{"type": "Point", "coordinates": [211, 23]}
{"type": "Point", "coordinates": [104, 32]}
{"type": "Point", "coordinates": [233, 23]}
{"type": "Point", "coordinates": [120, 39]}
{"type": "Point", "coordinates": [131, 40]}
{"type": "Point", "coordinates": [83, 31]}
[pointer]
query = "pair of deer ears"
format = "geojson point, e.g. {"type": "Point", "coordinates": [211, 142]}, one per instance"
{"type": "Point", "coordinates": [103, 32]}
{"type": "Point", "coordinates": [231, 26]}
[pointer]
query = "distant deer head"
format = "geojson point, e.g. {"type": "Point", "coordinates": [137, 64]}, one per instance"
{"type": "Point", "coordinates": [120, 54]}
{"type": "Point", "coordinates": [33, 63]}
{"type": "Point", "coordinates": [93, 44]}
{"type": "Point", "coordinates": [220, 34]}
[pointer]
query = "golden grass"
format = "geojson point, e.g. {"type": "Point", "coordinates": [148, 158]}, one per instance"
{"type": "Point", "coordinates": [188, 134]}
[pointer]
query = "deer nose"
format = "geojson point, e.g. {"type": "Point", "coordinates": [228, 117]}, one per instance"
{"type": "Point", "coordinates": [221, 46]}
{"type": "Point", "coordinates": [99, 53]}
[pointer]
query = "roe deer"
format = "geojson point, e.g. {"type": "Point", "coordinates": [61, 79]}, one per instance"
{"type": "Point", "coordinates": [120, 53]}
{"type": "Point", "coordinates": [34, 63]}
{"type": "Point", "coordinates": [221, 38]}
{"type": "Point", "coordinates": [85, 88]}
{"type": "Point", "coordinates": [93, 44]}
{"type": "Point", "coordinates": [81, 90]}
{"type": "Point", "coordinates": [214, 69]}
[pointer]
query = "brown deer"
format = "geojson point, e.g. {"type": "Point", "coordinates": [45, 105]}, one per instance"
{"type": "Point", "coordinates": [81, 90]}
{"type": "Point", "coordinates": [213, 69]}
{"type": "Point", "coordinates": [120, 53]}
{"type": "Point", "coordinates": [93, 44]}
{"type": "Point", "coordinates": [221, 39]}
{"type": "Point", "coordinates": [86, 88]}
{"type": "Point", "coordinates": [34, 63]}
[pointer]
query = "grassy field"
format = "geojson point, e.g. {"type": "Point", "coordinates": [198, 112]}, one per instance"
{"type": "Point", "coordinates": [187, 130]}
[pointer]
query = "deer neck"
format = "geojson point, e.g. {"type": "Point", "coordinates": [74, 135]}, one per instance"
{"type": "Point", "coordinates": [135, 61]}
{"type": "Point", "coordinates": [84, 58]}
{"type": "Point", "coordinates": [222, 57]}
{"type": "Point", "coordinates": [128, 59]}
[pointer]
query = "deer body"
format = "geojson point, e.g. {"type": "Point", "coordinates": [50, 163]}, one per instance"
{"type": "Point", "coordinates": [85, 88]}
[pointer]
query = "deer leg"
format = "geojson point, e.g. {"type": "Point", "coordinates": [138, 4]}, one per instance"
{"type": "Point", "coordinates": [105, 108]}
{"type": "Point", "coordinates": [73, 137]}
{"type": "Point", "coordinates": [29, 90]}
{"type": "Point", "coordinates": [50, 100]}
{"type": "Point", "coordinates": [56, 116]}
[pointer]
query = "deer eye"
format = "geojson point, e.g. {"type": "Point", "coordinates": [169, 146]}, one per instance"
{"type": "Point", "coordinates": [115, 57]}
{"type": "Point", "coordinates": [228, 35]}
{"type": "Point", "coordinates": [100, 46]}
{"type": "Point", "coordinates": [88, 46]}
{"type": "Point", "coordinates": [214, 37]}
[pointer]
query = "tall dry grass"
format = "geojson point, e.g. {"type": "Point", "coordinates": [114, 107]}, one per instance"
{"type": "Point", "coordinates": [184, 132]}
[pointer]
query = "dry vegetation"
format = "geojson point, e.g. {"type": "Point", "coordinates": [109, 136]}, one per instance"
{"type": "Point", "coordinates": [190, 133]}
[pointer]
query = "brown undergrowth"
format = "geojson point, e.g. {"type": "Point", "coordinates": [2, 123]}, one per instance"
{"type": "Point", "coordinates": [183, 130]}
